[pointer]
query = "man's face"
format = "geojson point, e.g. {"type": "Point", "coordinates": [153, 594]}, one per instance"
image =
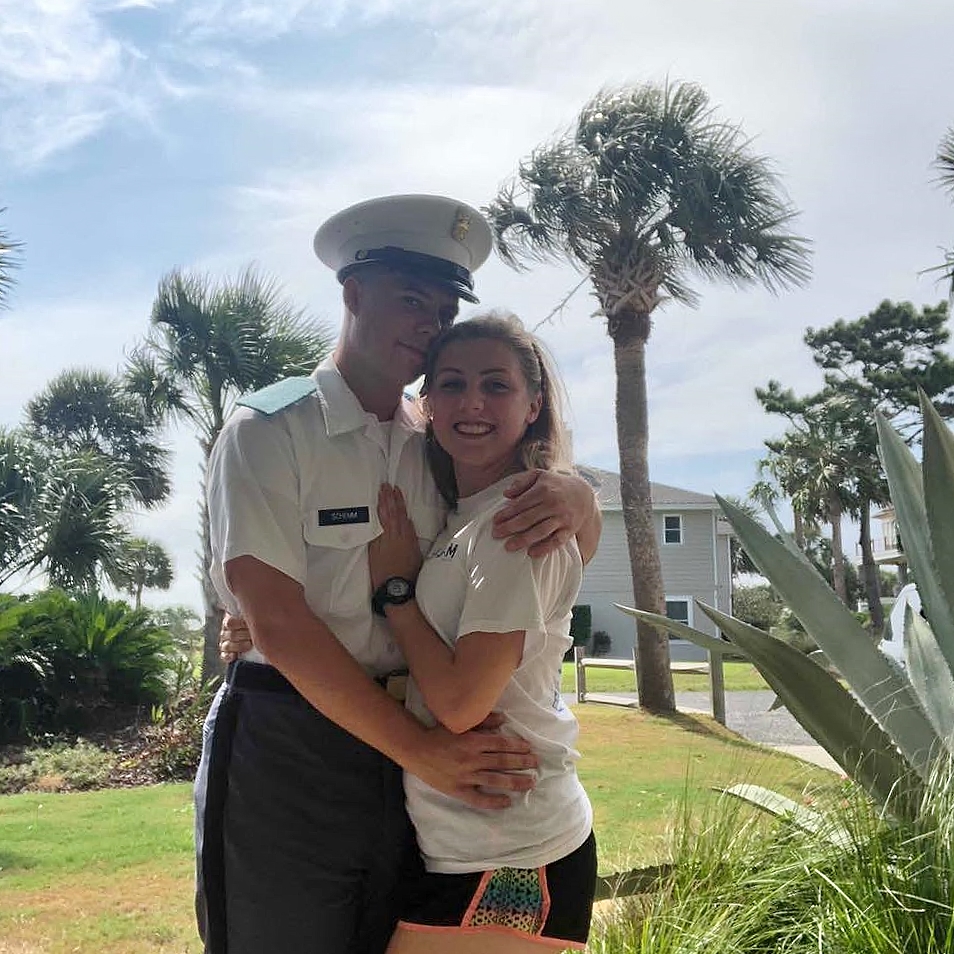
{"type": "Point", "coordinates": [396, 317]}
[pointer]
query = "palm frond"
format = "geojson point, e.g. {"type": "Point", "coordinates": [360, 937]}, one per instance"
{"type": "Point", "coordinates": [10, 251]}
{"type": "Point", "coordinates": [88, 411]}
{"type": "Point", "coordinates": [79, 506]}
{"type": "Point", "coordinates": [649, 183]}
{"type": "Point", "coordinates": [213, 341]}
{"type": "Point", "coordinates": [156, 389]}
{"type": "Point", "coordinates": [944, 161]}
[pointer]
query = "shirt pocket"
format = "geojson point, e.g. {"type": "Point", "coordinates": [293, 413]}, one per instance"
{"type": "Point", "coordinates": [323, 529]}
{"type": "Point", "coordinates": [337, 552]}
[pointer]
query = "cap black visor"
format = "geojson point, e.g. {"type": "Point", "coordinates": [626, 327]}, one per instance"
{"type": "Point", "coordinates": [438, 271]}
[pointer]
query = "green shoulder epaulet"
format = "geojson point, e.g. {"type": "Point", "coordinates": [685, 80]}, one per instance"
{"type": "Point", "coordinates": [276, 397]}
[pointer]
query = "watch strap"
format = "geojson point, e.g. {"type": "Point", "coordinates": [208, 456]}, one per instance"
{"type": "Point", "coordinates": [381, 597]}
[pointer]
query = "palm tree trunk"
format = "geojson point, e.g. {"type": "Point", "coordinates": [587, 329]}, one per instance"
{"type": "Point", "coordinates": [870, 572]}
{"type": "Point", "coordinates": [837, 548]}
{"type": "Point", "coordinates": [654, 678]}
{"type": "Point", "coordinates": [799, 529]}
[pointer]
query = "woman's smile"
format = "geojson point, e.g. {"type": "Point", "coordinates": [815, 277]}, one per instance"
{"type": "Point", "coordinates": [480, 406]}
{"type": "Point", "coordinates": [473, 429]}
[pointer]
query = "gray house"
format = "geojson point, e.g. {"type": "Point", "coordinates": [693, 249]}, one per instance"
{"type": "Point", "coordinates": [694, 547]}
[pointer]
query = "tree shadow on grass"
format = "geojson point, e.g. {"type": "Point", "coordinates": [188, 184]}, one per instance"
{"type": "Point", "coordinates": [707, 726]}
{"type": "Point", "coordinates": [10, 861]}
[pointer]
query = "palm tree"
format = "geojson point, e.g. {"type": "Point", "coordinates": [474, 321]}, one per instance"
{"type": "Point", "coordinates": [84, 455]}
{"type": "Point", "coordinates": [9, 260]}
{"type": "Point", "coordinates": [739, 561]}
{"type": "Point", "coordinates": [19, 471]}
{"type": "Point", "coordinates": [142, 564]}
{"type": "Point", "coordinates": [80, 513]}
{"type": "Point", "coordinates": [834, 440]}
{"type": "Point", "coordinates": [59, 514]}
{"type": "Point", "coordinates": [82, 411]}
{"type": "Point", "coordinates": [823, 466]}
{"type": "Point", "coordinates": [647, 189]}
{"type": "Point", "coordinates": [209, 344]}
{"type": "Point", "coordinates": [944, 162]}
{"type": "Point", "coordinates": [780, 476]}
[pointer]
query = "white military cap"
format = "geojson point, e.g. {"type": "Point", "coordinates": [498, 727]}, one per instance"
{"type": "Point", "coordinates": [439, 239]}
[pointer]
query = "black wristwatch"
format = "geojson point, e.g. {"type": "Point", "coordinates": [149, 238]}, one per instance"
{"type": "Point", "coordinates": [394, 590]}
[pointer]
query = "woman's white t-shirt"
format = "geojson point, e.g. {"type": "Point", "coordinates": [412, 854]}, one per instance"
{"type": "Point", "coordinates": [470, 583]}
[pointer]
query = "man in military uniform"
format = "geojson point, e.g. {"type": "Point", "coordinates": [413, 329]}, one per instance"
{"type": "Point", "coordinates": [301, 830]}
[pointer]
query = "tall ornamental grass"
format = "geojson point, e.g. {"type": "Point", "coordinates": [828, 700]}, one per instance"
{"type": "Point", "coordinates": [743, 883]}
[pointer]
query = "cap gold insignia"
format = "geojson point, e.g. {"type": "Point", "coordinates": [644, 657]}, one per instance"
{"type": "Point", "coordinates": [461, 226]}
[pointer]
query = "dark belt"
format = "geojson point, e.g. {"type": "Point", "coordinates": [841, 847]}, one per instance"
{"type": "Point", "coordinates": [257, 677]}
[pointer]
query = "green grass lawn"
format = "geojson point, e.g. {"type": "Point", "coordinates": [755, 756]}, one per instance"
{"type": "Point", "coordinates": [738, 676]}
{"type": "Point", "coordinates": [111, 871]}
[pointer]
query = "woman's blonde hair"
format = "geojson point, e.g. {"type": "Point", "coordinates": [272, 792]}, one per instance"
{"type": "Point", "coordinates": [545, 444]}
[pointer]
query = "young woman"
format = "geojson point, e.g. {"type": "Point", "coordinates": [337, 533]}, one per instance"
{"type": "Point", "coordinates": [484, 630]}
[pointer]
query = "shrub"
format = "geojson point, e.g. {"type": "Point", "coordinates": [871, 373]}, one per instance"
{"type": "Point", "coordinates": [602, 643]}
{"type": "Point", "coordinates": [172, 743]}
{"type": "Point", "coordinates": [829, 874]}
{"type": "Point", "coordinates": [789, 629]}
{"type": "Point", "coordinates": [63, 658]}
{"type": "Point", "coordinates": [581, 626]}
{"type": "Point", "coordinates": [759, 606]}
{"type": "Point", "coordinates": [26, 669]}
{"type": "Point", "coordinates": [59, 767]}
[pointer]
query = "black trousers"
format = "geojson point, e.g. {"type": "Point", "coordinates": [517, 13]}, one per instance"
{"type": "Point", "coordinates": [302, 839]}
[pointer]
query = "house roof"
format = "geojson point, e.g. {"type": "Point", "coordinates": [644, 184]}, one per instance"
{"type": "Point", "coordinates": [606, 485]}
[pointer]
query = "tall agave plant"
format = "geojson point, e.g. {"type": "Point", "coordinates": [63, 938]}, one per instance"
{"type": "Point", "coordinates": [890, 724]}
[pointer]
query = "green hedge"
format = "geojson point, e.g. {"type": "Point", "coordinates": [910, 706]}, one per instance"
{"type": "Point", "coordinates": [64, 657]}
{"type": "Point", "coordinates": [581, 625]}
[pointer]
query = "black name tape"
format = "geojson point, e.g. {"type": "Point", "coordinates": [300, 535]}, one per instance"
{"type": "Point", "coordinates": [343, 515]}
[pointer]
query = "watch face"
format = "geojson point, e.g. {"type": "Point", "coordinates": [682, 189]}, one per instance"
{"type": "Point", "coordinates": [397, 587]}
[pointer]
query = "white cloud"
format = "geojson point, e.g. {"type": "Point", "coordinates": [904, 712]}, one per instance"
{"type": "Point", "coordinates": [65, 76]}
{"type": "Point", "coordinates": [242, 18]}
{"type": "Point", "coordinates": [56, 43]}
{"type": "Point", "coordinates": [51, 56]}
{"type": "Point", "coordinates": [254, 21]}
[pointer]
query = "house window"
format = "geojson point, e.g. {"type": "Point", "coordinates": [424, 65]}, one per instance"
{"type": "Point", "coordinates": [679, 609]}
{"type": "Point", "coordinates": [672, 528]}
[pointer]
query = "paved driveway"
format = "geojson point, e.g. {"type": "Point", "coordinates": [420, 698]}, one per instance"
{"type": "Point", "coordinates": [749, 714]}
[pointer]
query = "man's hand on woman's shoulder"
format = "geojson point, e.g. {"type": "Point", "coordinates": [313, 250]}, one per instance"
{"type": "Point", "coordinates": [546, 509]}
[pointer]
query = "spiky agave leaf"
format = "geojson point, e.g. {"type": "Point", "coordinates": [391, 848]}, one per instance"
{"type": "Point", "coordinates": [704, 640]}
{"type": "Point", "coordinates": [938, 486]}
{"type": "Point", "coordinates": [884, 691]}
{"type": "Point", "coordinates": [931, 678]}
{"type": "Point", "coordinates": [906, 484]}
{"type": "Point", "coordinates": [828, 712]}
{"type": "Point", "coordinates": [805, 818]}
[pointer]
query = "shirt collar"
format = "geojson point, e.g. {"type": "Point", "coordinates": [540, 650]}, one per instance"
{"type": "Point", "coordinates": [343, 411]}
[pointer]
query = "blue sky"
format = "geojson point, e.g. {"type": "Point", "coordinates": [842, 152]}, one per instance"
{"type": "Point", "coordinates": [141, 135]}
